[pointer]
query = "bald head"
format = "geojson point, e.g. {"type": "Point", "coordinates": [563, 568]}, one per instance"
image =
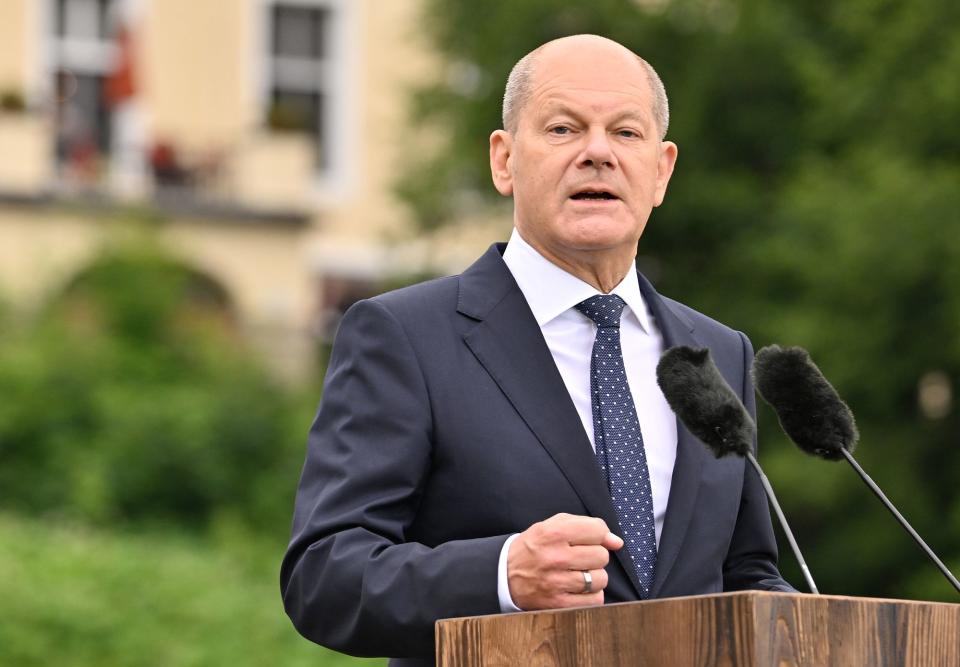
{"type": "Point", "coordinates": [522, 79]}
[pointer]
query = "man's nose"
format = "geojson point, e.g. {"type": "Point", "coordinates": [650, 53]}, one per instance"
{"type": "Point", "coordinates": [598, 152]}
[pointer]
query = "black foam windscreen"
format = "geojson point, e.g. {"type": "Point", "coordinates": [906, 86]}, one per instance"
{"type": "Point", "coordinates": [704, 402]}
{"type": "Point", "coordinates": [810, 411]}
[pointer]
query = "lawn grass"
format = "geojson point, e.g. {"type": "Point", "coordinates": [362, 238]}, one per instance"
{"type": "Point", "coordinates": [72, 596]}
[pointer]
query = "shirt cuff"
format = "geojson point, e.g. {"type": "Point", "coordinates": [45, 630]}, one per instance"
{"type": "Point", "coordinates": [503, 585]}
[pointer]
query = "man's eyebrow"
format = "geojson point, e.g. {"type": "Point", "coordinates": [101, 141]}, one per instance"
{"type": "Point", "coordinates": [557, 108]}
{"type": "Point", "coordinates": [551, 108]}
{"type": "Point", "coordinates": [633, 114]}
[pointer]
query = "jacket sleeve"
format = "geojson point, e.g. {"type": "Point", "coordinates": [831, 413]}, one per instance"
{"type": "Point", "coordinates": [350, 579]}
{"type": "Point", "coordinates": [751, 561]}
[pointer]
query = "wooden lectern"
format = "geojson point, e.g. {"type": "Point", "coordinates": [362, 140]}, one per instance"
{"type": "Point", "coordinates": [747, 629]}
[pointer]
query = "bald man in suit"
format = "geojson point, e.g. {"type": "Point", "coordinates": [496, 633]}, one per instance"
{"type": "Point", "coordinates": [458, 462]}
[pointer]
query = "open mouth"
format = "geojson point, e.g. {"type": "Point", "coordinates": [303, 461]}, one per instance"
{"type": "Point", "coordinates": [594, 195]}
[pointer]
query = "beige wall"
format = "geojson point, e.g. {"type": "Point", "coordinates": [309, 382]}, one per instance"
{"type": "Point", "coordinates": [368, 230]}
{"type": "Point", "coordinates": [39, 253]}
{"type": "Point", "coordinates": [26, 145]}
{"type": "Point", "coordinates": [261, 266]}
{"type": "Point", "coordinates": [195, 61]}
{"type": "Point", "coordinates": [14, 22]}
{"type": "Point", "coordinates": [391, 59]}
{"type": "Point", "coordinates": [199, 80]}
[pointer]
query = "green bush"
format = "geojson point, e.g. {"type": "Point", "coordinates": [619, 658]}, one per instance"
{"type": "Point", "coordinates": [78, 597]}
{"type": "Point", "coordinates": [132, 398]}
{"type": "Point", "coordinates": [131, 403]}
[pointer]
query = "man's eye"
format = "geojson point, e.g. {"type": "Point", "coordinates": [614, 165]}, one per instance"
{"type": "Point", "coordinates": [629, 134]}
{"type": "Point", "coordinates": [559, 130]}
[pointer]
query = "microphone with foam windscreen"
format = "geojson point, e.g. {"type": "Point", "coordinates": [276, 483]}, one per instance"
{"type": "Point", "coordinates": [813, 415]}
{"type": "Point", "coordinates": [709, 408]}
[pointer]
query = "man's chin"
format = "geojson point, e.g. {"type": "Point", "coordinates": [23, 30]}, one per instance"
{"type": "Point", "coordinates": [598, 232]}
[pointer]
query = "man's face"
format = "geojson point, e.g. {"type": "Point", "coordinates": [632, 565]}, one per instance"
{"type": "Point", "coordinates": [585, 165]}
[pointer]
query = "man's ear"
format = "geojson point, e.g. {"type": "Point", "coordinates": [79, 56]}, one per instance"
{"type": "Point", "coordinates": [501, 147]}
{"type": "Point", "coordinates": [665, 164]}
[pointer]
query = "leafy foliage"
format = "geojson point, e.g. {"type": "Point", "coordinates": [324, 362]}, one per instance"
{"type": "Point", "coordinates": [80, 597]}
{"type": "Point", "coordinates": [817, 186]}
{"type": "Point", "coordinates": [131, 400]}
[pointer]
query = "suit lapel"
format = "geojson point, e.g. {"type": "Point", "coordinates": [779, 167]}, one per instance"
{"type": "Point", "coordinates": [676, 329]}
{"type": "Point", "coordinates": [508, 343]}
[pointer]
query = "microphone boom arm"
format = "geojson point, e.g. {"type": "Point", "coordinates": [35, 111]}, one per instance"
{"type": "Point", "coordinates": [783, 522]}
{"type": "Point", "coordinates": [899, 517]}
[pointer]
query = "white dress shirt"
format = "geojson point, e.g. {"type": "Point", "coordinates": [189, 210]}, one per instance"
{"type": "Point", "coordinates": [552, 294]}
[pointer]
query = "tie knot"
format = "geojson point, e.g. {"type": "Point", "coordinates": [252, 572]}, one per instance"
{"type": "Point", "coordinates": [603, 309]}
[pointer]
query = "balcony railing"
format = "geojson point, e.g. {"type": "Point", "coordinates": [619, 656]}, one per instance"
{"type": "Point", "coordinates": [268, 174]}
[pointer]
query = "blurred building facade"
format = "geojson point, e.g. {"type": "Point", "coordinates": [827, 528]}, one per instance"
{"type": "Point", "coordinates": [265, 133]}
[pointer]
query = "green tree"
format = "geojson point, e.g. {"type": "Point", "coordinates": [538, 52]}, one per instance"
{"type": "Point", "coordinates": [132, 398]}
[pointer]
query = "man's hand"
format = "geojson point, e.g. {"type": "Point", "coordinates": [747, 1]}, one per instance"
{"type": "Point", "coordinates": [545, 563]}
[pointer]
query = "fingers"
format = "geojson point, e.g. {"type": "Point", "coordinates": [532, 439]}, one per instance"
{"type": "Point", "coordinates": [545, 563]}
{"type": "Point", "coordinates": [586, 557]}
{"type": "Point", "coordinates": [583, 530]}
{"type": "Point", "coordinates": [612, 542]}
{"type": "Point", "coordinates": [577, 586]}
{"type": "Point", "coordinates": [573, 582]}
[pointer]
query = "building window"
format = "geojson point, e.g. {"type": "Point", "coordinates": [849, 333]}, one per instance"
{"type": "Point", "coordinates": [84, 120]}
{"type": "Point", "coordinates": [299, 71]}
{"type": "Point", "coordinates": [83, 19]}
{"type": "Point", "coordinates": [299, 32]}
{"type": "Point", "coordinates": [82, 52]}
{"type": "Point", "coordinates": [305, 74]}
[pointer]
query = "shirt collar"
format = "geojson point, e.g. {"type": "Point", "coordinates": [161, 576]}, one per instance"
{"type": "Point", "coordinates": [550, 291]}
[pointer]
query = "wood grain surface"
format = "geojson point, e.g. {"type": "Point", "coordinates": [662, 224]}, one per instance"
{"type": "Point", "coordinates": [730, 630]}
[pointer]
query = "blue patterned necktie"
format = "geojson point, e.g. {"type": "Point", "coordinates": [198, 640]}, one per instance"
{"type": "Point", "coordinates": [619, 443]}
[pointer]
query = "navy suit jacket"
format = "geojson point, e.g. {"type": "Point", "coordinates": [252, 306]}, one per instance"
{"type": "Point", "coordinates": [444, 428]}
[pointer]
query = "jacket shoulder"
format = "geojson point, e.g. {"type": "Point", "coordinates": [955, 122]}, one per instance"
{"type": "Point", "coordinates": [427, 296]}
{"type": "Point", "coordinates": [414, 308]}
{"type": "Point", "coordinates": [699, 320]}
